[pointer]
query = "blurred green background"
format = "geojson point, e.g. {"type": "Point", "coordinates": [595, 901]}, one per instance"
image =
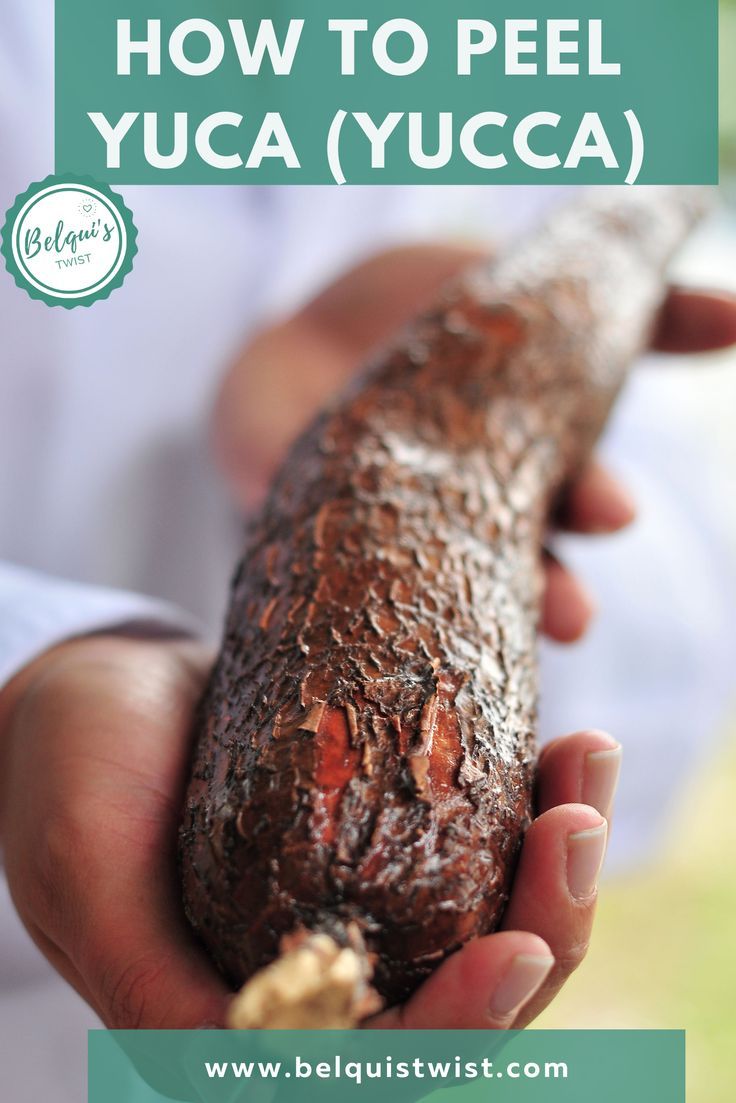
{"type": "Point", "coordinates": [664, 949]}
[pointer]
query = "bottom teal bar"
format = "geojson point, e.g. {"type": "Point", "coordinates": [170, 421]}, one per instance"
{"type": "Point", "coordinates": [531, 1066]}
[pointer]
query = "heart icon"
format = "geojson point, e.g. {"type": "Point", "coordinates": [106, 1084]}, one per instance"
{"type": "Point", "coordinates": [87, 208]}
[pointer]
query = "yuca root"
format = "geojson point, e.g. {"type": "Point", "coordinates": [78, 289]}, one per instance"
{"type": "Point", "coordinates": [314, 984]}
{"type": "Point", "coordinates": [365, 751]}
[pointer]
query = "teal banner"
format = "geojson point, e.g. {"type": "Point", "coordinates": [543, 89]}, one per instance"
{"type": "Point", "coordinates": [533, 1066]}
{"type": "Point", "coordinates": [425, 91]}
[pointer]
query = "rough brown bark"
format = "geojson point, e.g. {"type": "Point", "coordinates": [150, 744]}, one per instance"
{"type": "Point", "coordinates": [365, 748]}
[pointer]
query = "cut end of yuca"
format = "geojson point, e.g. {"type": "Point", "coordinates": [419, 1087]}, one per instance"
{"type": "Point", "coordinates": [315, 984]}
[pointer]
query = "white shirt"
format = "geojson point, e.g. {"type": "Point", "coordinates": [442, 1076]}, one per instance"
{"type": "Point", "coordinates": [111, 511]}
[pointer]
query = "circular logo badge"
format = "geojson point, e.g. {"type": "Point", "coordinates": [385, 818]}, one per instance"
{"type": "Point", "coordinates": [69, 241]}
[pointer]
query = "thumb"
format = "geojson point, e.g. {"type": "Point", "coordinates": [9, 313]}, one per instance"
{"type": "Point", "coordinates": [144, 970]}
{"type": "Point", "coordinates": [99, 753]}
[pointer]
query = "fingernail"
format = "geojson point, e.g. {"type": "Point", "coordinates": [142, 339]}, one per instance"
{"type": "Point", "coordinates": [619, 517]}
{"type": "Point", "coordinates": [600, 777]}
{"type": "Point", "coordinates": [521, 980]}
{"type": "Point", "coordinates": [585, 850]}
{"type": "Point", "coordinates": [624, 511]}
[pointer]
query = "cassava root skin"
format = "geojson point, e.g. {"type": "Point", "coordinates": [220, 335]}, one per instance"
{"type": "Point", "coordinates": [365, 749]}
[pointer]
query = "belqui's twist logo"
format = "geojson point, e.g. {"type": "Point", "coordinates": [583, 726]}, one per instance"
{"type": "Point", "coordinates": [69, 241]}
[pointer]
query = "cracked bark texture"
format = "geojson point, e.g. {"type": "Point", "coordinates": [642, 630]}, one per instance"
{"type": "Point", "coordinates": [365, 749]}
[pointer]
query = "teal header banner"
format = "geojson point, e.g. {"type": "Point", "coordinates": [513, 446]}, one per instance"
{"type": "Point", "coordinates": [379, 92]}
{"type": "Point", "coordinates": [532, 1066]}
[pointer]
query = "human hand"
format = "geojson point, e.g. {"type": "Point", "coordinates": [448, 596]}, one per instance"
{"type": "Point", "coordinates": [289, 371]}
{"type": "Point", "coordinates": [95, 740]}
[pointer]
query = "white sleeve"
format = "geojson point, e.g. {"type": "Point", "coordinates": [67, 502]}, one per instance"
{"type": "Point", "coordinates": [38, 611]}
